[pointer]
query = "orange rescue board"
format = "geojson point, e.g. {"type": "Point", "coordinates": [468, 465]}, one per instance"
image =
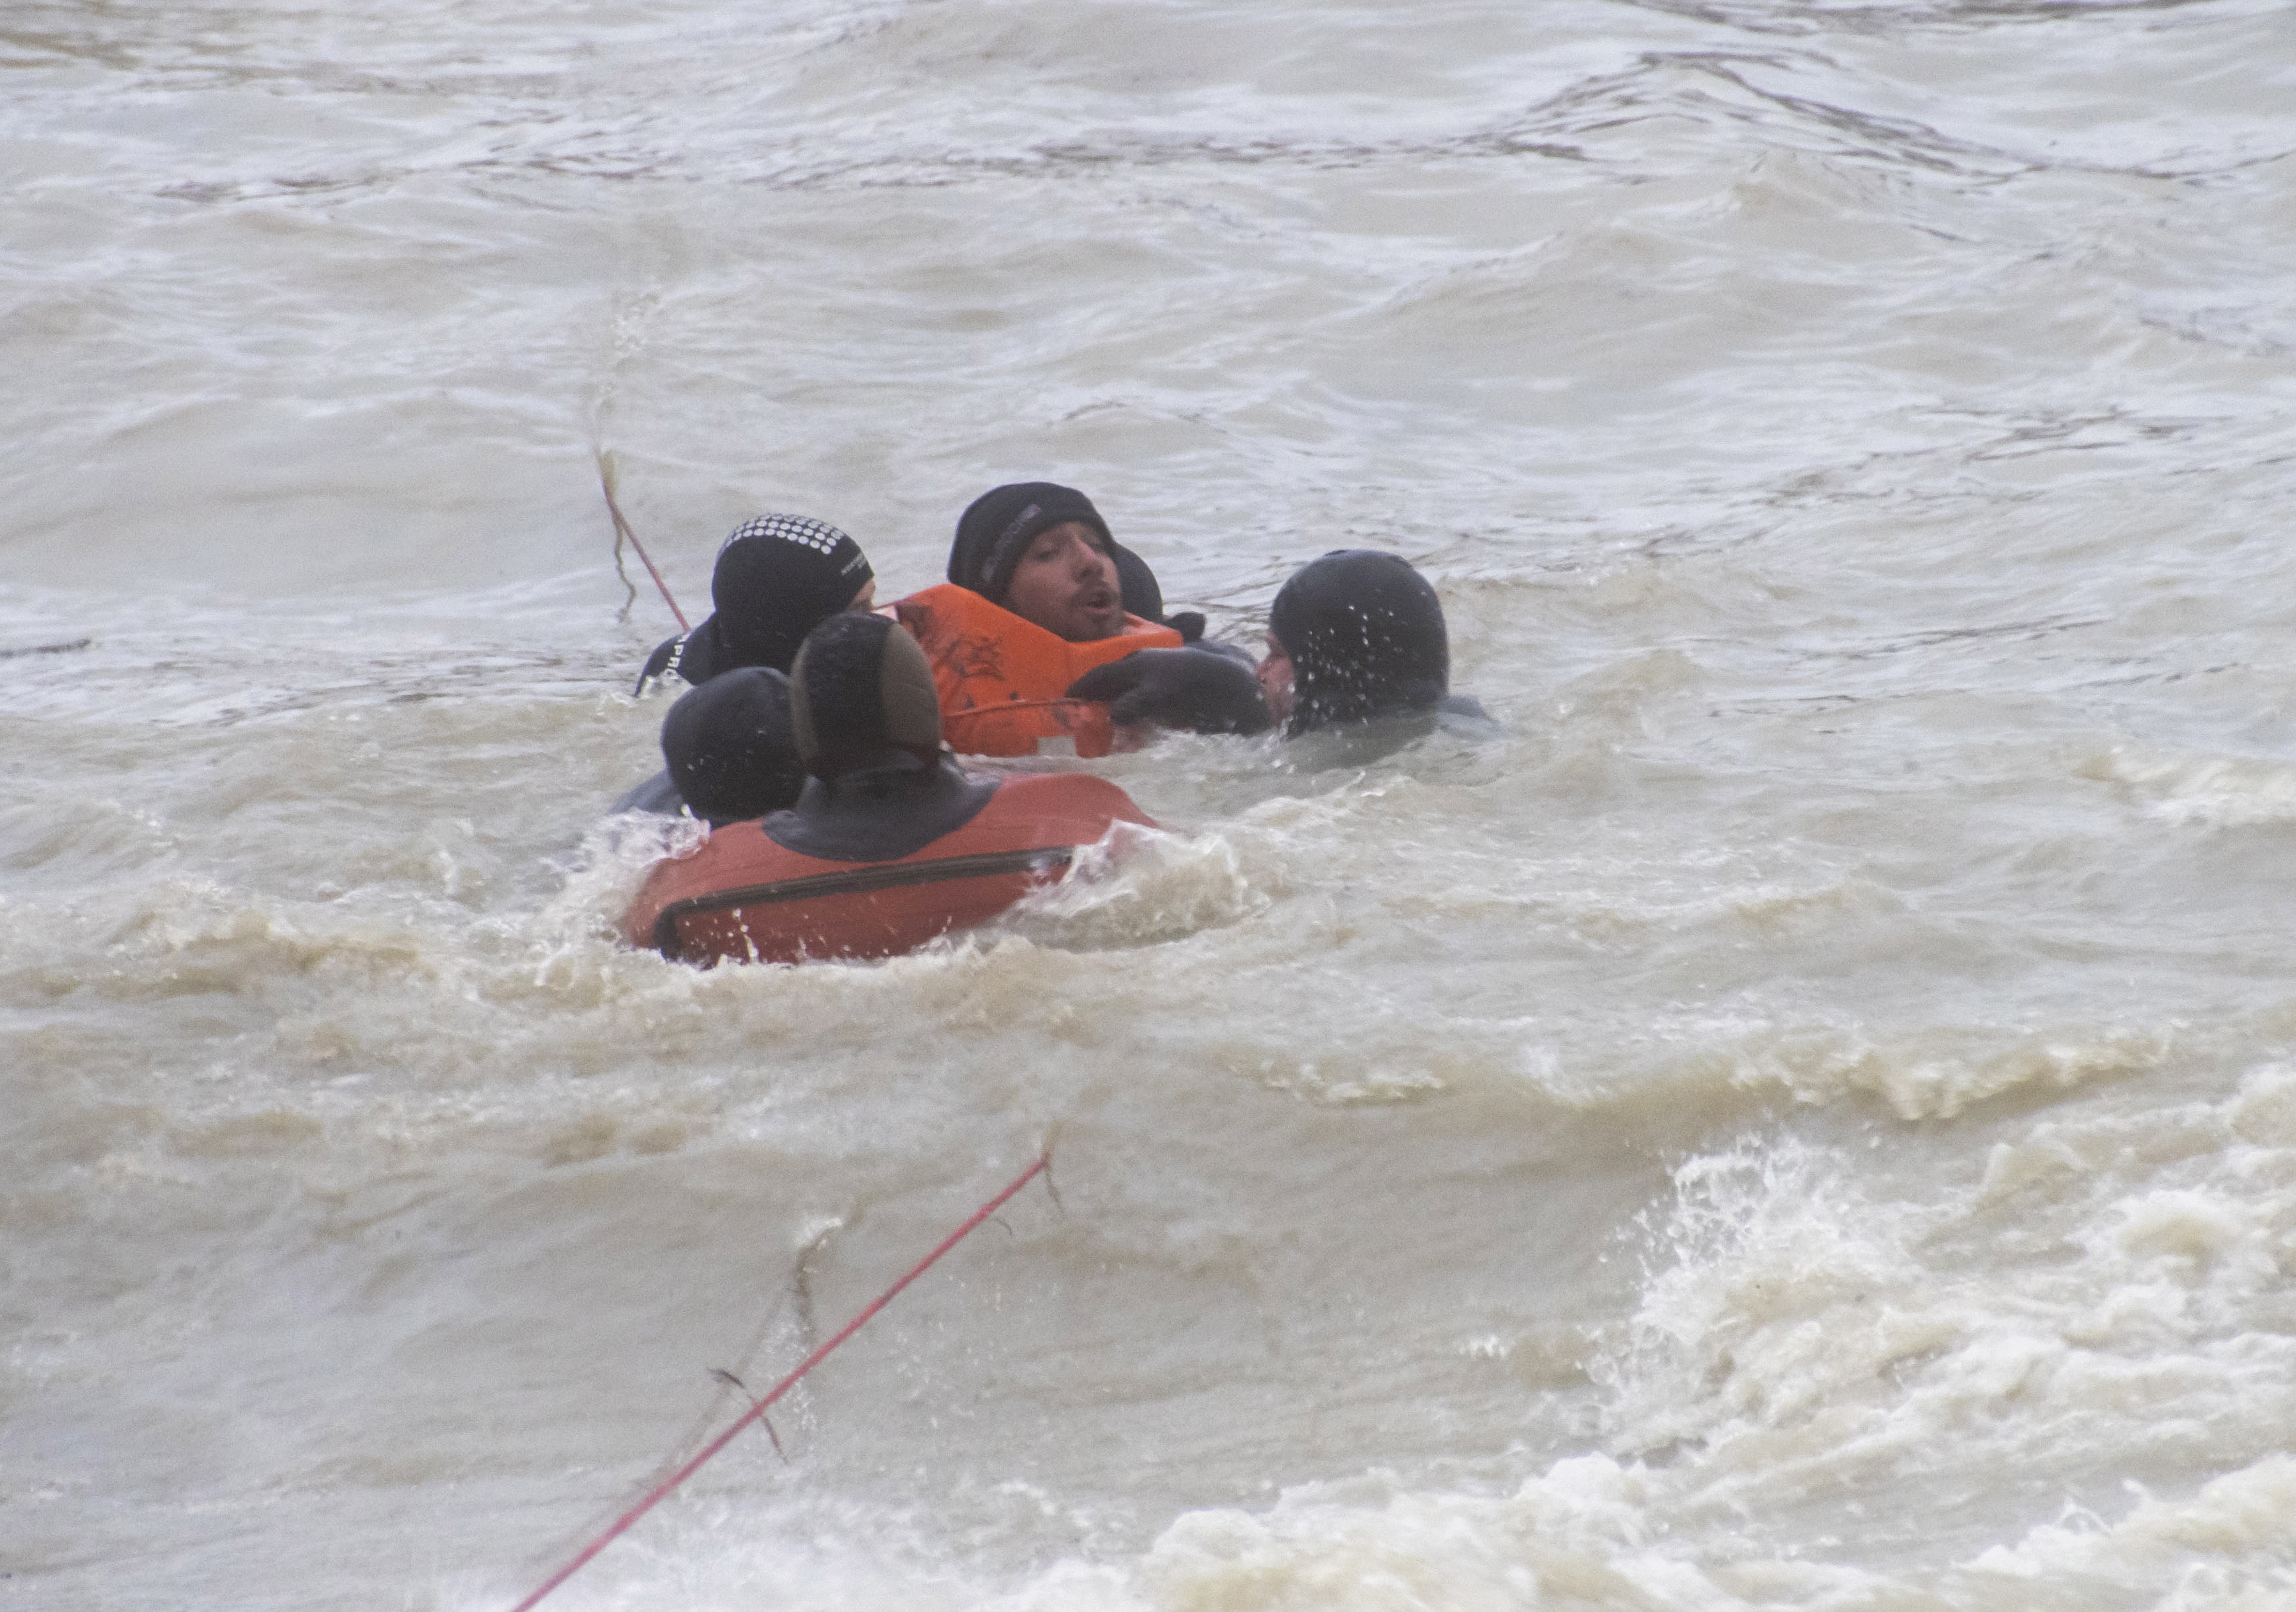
{"type": "Point", "coordinates": [741, 896]}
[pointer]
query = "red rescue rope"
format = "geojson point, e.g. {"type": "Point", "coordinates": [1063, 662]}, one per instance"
{"type": "Point", "coordinates": [758, 1409]}
{"type": "Point", "coordinates": [622, 531]}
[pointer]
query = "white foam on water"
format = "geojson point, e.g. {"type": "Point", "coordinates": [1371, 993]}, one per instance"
{"type": "Point", "coordinates": [1797, 1116]}
{"type": "Point", "coordinates": [2209, 792]}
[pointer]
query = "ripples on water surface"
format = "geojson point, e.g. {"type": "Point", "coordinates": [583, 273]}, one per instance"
{"type": "Point", "coordinates": [1807, 1119]}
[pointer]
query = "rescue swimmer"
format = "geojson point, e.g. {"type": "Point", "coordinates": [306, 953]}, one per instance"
{"type": "Point", "coordinates": [1040, 594]}
{"type": "Point", "coordinates": [1355, 636]}
{"type": "Point", "coordinates": [729, 748]}
{"type": "Point", "coordinates": [889, 842]}
{"type": "Point", "coordinates": [775, 578]}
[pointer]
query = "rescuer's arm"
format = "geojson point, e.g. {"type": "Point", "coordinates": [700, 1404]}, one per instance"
{"type": "Point", "coordinates": [1200, 691]}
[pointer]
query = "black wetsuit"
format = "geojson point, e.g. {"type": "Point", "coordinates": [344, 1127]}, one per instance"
{"type": "Point", "coordinates": [1365, 635]}
{"type": "Point", "coordinates": [776, 577]}
{"type": "Point", "coordinates": [696, 656]}
{"type": "Point", "coordinates": [867, 723]}
{"type": "Point", "coordinates": [729, 749]}
{"type": "Point", "coordinates": [879, 813]}
{"type": "Point", "coordinates": [656, 794]}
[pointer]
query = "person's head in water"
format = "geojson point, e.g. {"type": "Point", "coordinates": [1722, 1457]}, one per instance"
{"type": "Point", "coordinates": [1356, 633]}
{"type": "Point", "coordinates": [728, 747]}
{"type": "Point", "coordinates": [1044, 553]}
{"type": "Point", "coordinates": [862, 700]}
{"type": "Point", "coordinates": [779, 575]}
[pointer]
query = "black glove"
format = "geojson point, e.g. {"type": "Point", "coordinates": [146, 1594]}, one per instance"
{"type": "Point", "coordinates": [1197, 689]}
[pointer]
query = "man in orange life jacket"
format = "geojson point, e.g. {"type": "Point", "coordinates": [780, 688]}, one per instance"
{"type": "Point", "coordinates": [1035, 599]}
{"type": "Point", "coordinates": [890, 843]}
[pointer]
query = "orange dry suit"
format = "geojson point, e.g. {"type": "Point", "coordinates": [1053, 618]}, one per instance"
{"type": "Point", "coordinates": [1003, 680]}
{"type": "Point", "coordinates": [743, 894]}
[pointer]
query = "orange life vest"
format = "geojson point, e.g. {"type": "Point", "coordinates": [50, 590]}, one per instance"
{"type": "Point", "coordinates": [1002, 679]}
{"type": "Point", "coordinates": [741, 895]}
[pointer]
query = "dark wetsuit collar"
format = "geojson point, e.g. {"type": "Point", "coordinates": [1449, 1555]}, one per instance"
{"type": "Point", "coordinates": [880, 813]}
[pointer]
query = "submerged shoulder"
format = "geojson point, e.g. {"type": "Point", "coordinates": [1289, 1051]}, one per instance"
{"type": "Point", "coordinates": [656, 794]}
{"type": "Point", "coordinates": [665, 658]}
{"type": "Point", "coordinates": [1464, 714]}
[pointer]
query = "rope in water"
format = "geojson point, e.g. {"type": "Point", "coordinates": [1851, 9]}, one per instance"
{"type": "Point", "coordinates": [623, 533]}
{"type": "Point", "coordinates": [759, 1408]}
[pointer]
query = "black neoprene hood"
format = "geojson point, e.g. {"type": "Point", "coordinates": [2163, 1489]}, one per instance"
{"type": "Point", "coordinates": [994, 532]}
{"type": "Point", "coordinates": [1365, 635]}
{"type": "Point", "coordinates": [861, 688]}
{"type": "Point", "coordinates": [776, 577]}
{"type": "Point", "coordinates": [726, 745]}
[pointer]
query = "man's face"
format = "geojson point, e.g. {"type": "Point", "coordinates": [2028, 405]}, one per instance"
{"type": "Point", "coordinates": [1066, 584]}
{"type": "Point", "coordinates": [1274, 674]}
{"type": "Point", "coordinates": [866, 599]}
